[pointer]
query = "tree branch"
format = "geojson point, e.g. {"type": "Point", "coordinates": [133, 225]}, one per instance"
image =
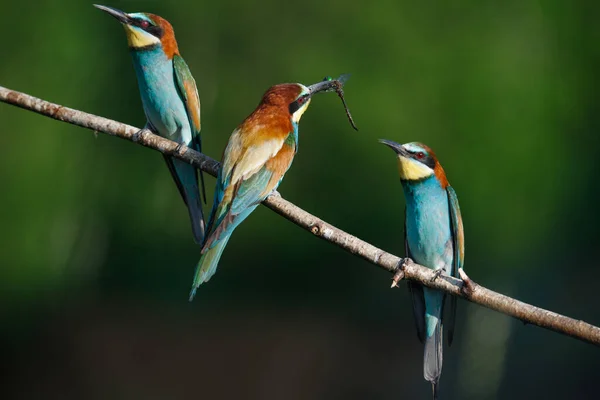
{"type": "Point", "coordinates": [466, 288]}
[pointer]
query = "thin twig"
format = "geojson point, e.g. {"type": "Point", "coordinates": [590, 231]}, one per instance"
{"type": "Point", "coordinates": [466, 288]}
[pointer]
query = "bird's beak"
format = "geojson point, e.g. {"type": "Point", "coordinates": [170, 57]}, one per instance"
{"type": "Point", "coordinates": [329, 85]}
{"type": "Point", "coordinates": [398, 148]}
{"type": "Point", "coordinates": [324, 86]}
{"type": "Point", "coordinates": [121, 16]}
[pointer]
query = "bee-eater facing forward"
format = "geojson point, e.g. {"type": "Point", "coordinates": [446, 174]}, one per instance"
{"type": "Point", "coordinates": [434, 238]}
{"type": "Point", "coordinates": [169, 96]}
{"type": "Point", "coordinates": [258, 154]}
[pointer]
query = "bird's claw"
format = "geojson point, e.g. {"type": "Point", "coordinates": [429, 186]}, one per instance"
{"type": "Point", "coordinates": [399, 275]}
{"type": "Point", "coordinates": [179, 148]}
{"type": "Point", "coordinates": [436, 274]}
{"type": "Point", "coordinates": [397, 278]}
{"type": "Point", "coordinates": [467, 282]}
{"type": "Point", "coordinates": [137, 137]}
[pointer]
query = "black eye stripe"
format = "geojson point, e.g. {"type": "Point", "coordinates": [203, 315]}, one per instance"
{"type": "Point", "coordinates": [295, 105]}
{"type": "Point", "coordinates": [427, 160]}
{"type": "Point", "coordinates": [154, 30]}
{"type": "Point", "coordinates": [139, 22]}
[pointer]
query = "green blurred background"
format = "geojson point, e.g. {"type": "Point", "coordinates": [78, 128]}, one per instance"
{"type": "Point", "coordinates": [96, 249]}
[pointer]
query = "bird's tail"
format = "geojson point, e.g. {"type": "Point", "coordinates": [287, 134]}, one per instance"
{"type": "Point", "coordinates": [434, 387]}
{"type": "Point", "coordinates": [194, 206]}
{"type": "Point", "coordinates": [432, 361]}
{"type": "Point", "coordinates": [207, 266]}
{"type": "Point", "coordinates": [186, 177]}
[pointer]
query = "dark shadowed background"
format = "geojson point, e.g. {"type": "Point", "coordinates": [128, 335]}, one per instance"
{"type": "Point", "coordinates": [97, 254]}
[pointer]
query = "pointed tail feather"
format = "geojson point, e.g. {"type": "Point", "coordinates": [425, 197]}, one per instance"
{"type": "Point", "coordinates": [207, 266]}
{"type": "Point", "coordinates": [186, 178]}
{"type": "Point", "coordinates": [418, 303]}
{"type": "Point", "coordinates": [434, 387]}
{"type": "Point", "coordinates": [194, 206]}
{"type": "Point", "coordinates": [451, 320]}
{"type": "Point", "coordinates": [202, 186]}
{"type": "Point", "coordinates": [432, 362]}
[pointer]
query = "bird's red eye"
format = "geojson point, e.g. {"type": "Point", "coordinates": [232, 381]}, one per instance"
{"type": "Point", "coordinates": [301, 100]}
{"type": "Point", "coordinates": [144, 24]}
{"type": "Point", "coordinates": [420, 155]}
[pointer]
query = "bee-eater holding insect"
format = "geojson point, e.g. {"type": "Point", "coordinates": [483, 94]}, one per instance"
{"type": "Point", "coordinates": [433, 237]}
{"type": "Point", "coordinates": [169, 96]}
{"type": "Point", "coordinates": [258, 154]}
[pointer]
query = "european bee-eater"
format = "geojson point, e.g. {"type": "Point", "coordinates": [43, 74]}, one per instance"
{"type": "Point", "coordinates": [433, 237]}
{"type": "Point", "coordinates": [169, 96]}
{"type": "Point", "coordinates": [258, 154]}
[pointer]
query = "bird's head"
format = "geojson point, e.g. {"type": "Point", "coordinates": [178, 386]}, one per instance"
{"type": "Point", "coordinates": [293, 98]}
{"type": "Point", "coordinates": [290, 99]}
{"type": "Point", "coordinates": [417, 162]}
{"type": "Point", "coordinates": [145, 31]}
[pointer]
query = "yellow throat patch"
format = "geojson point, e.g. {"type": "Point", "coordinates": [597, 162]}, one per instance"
{"type": "Point", "coordinates": [411, 170]}
{"type": "Point", "coordinates": [137, 38]}
{"type": "Point", "coordinates": [298, 114]}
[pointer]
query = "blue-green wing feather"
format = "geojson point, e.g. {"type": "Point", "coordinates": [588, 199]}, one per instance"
{"type": "Point", "coordinates": [224, 219]}
{"type": "Point", "coordinates": [457, 231]}
{"type": "Point", "coordinates": [189, 92]}
{"type": "Point", "coordinates": [458, 241]}
{"type": "Point", "coordinates": [248, 194]}
{"type": "Point", "coordinates": [251, 191]}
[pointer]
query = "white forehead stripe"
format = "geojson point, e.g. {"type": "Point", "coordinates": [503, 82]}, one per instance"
{"type": "Point", "coordinates": [413, 148]}
{"type": "Point", "coordinates": [139, 16]}
{"type": "Point", "coordinates": [304, 88]}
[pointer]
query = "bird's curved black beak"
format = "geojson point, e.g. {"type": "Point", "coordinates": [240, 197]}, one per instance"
{"type": "Point", "coordinates": [323, 86]}
{"type": "Point", "coordinates": [397, 147]}
{"type": "Point", "coordinates": [121, 16]}
{"type": "Point", "coordinates": [329, 85]}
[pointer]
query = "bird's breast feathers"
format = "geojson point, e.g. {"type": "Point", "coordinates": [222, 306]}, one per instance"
{"type": "Point", "coordinates": [279, 165]}
{"type": "Point", "coordinates": [162, 102]}
{"type": "Point", "coordinates": [428, 224]}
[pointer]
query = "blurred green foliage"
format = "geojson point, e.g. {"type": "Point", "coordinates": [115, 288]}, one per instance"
{"type": "Point", "coordinates": [96, 243]}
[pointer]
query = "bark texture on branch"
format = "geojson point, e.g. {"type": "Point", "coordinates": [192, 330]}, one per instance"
{"type": "Point", "coordinates": [466, 288]}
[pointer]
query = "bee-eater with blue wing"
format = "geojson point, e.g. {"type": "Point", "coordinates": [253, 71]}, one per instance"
{"type": "Point", "coordinates": [434, 238]}
{"type": "Point", "coordinates": [258, 154]}
{"type": "Point", "coordinates": [169, 96]}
